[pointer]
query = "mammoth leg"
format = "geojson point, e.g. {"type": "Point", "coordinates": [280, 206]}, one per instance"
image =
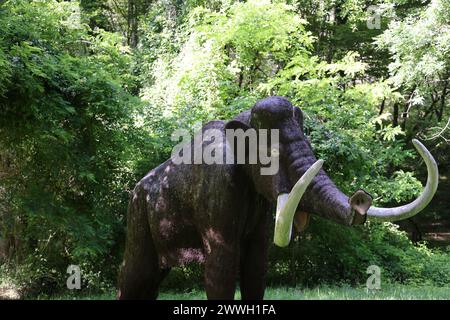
{"type": "Point", "coordinates": [140, 275]}
{"type": "Point", "coordinates": [221, 269]}
{"type": "Point", "coordinates": [253, 266]}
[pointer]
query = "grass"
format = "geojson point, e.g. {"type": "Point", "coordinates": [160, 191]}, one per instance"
{"type": "Point", "coordinates": [397, 292]}
{"type": "Point", "coordinates": [391, 292]}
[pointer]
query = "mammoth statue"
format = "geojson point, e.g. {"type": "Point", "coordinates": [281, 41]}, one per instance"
{"type": "Point", "coordinates": [217, 213]}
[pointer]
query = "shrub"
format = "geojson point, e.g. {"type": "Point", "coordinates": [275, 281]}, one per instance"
{"type": "Point", "coordinates": [329, 253]}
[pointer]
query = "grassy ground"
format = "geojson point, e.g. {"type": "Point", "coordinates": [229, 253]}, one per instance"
{"type": "Point", "coordinates": [336, 293]}
{"type": "Point", "coordinates": [391, 292]}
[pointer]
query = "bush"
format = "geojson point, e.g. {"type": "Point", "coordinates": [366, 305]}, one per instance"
{"type": "Point", "coordinates": [328, 253]}
{"type": "Point", "coordinates": [68, 142]}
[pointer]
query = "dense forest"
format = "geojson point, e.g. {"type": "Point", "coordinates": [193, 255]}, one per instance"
{"type": "Point", "coordinates": [91, 91]}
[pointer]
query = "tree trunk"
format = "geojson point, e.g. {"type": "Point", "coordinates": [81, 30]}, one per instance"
{"type": "Point", "coordinates": [416, 234]}
{"type": "Point", "coordinates": [132, 23]}
{"type": "Point", "coordinates": [395, 115]}
{"type": "Point", "coordinates": [441, 109]}
{"type": "Point", "coordinates": [382, 106]}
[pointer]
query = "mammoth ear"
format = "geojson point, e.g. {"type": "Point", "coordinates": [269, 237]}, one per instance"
{"type": "Point", "coordinates": [232, 129]}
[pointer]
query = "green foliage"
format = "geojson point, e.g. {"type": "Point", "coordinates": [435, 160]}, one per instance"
{"type": "Point", "coordinates": [327, 253]}
{"type": "Point", "coordinates": [420, 69]}
{"type": "Point", "coordinates": [419, 46]}
{"type": "Point", "coordinates": [67, 130]}
{"type": "Point", "coordinates": [216, 71]}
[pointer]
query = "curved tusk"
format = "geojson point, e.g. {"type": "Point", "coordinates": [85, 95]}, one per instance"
{"type": "Point", "coordinates": [287, 204]}
{"type": "Point", "coordinates": [410, 209]}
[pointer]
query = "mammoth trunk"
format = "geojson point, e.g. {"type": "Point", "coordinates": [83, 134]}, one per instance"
{"type": "Point", "coordinates": [322, 197]}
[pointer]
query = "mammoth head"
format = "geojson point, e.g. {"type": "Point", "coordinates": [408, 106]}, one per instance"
{"type": "Point", "coordinates": [301, 186]}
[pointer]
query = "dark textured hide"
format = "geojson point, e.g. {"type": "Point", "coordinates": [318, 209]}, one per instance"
{"type": "Point", "coordinates": [217, 214]}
